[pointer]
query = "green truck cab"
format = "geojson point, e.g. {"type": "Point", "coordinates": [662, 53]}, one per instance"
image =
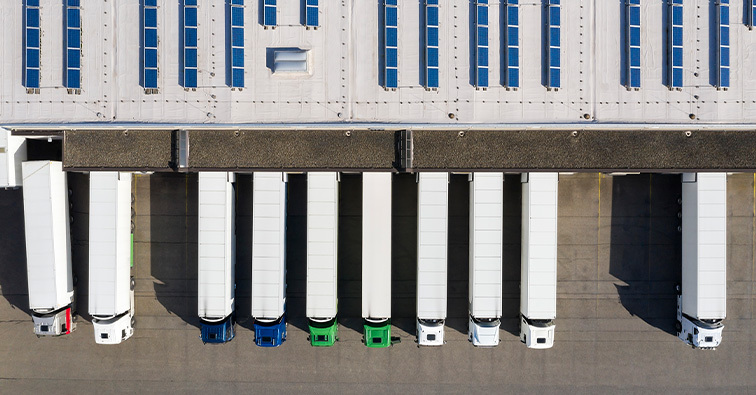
{"type": "Point", "coordinates": [323, 334]}
{"type": "Point", "coordinates": [377, 334]}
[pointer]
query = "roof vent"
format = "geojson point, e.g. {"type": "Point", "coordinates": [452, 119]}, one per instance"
{"type": "Point", "coordinates": [290, 61]}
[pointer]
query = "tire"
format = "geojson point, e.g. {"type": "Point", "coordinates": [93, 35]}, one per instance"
{"type": "Point", "coordinates": [678, 290]}
{"type": "Point", "coordinates": [132, 284]}
{"type": "Point", "coordinates": [75, 280]}
{"type": "Point", "coordinates": [133, 322]}
{"type": "Point", "coordinates": [678, 326]}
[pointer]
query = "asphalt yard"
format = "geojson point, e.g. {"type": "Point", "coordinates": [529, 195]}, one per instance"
{"type": "Point", "coordinates": [619, 258]}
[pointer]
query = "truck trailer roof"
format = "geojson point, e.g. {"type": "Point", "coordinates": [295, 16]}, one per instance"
{"type": "Point", "coordinates": [432, 244]}
{"type": "Point", "coordinates": [109, 243]}
{"type": "Point", "coordinates": [216, 252]}
{"type": "Point", "coordinates": [704, 245]}
{"type": "Point", "coordinates": [376, 245]}
{"type": "Point", "coordinates": [322, 244]}
{"type": "Point", "coordinates": [486, 223]}
{"type": "Point", "coordinates": [48, 240]}
{"type": "Point", "coordinates": [268, 245]}
{"type": "Point", "coordinates": [539, 245]}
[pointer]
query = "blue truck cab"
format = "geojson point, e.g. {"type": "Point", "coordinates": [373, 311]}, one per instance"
{"type": "Point", "coordinates": [218, 332]}
{"type": "Point", "coordinates": [270, 333]}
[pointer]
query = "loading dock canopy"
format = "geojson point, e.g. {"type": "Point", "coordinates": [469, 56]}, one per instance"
{"type": "Point", "coordinates": [421, 150]}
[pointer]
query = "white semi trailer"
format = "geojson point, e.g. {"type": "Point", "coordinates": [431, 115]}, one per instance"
{"type": "Point", "coordinates": [486, 225]}
{"type": "Point", "coordinates": [376, 258]}
{"type": "Point", "coordinates": [12, 154]}
{"type": "Point", "coordinates": [432, 251]}
{"type": "Point", "coordinates": [322, 253]}
{"type": "Point", "coordinates": [48, 248]}
{"type": "Point", "coordinates": [216, 257]}
{"type": "Point", "coordinates": [269, 258]}
{"type": "Point", "coordinates": [111, 287]}
{"type": "Point", "coordinates": [539, 259]}
{"type": "Point", "coordinates": [702, 299]}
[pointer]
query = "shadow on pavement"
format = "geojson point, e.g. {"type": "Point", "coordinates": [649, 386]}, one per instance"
{"type": "Point", "coordinates": [511, 253]}
{"type": "Point", "coordinates": [244, 250]}
{"type": "Point", "coordinates": [349, 275]}
{"type": "Point", "coordinates": [13, 250]}
{"type": "Point", "coordinates": [458, 265]}
{"type": "Point", "coordinates": [645, 250]}
{"type": "Point", "coordinates": [173, 241]}
{"type": "Point", "coordinates": [78, 184]}
{"type": "Point", "coordinates": [404, 252]}
{"type": "Point", "coordinates": [296, 252]}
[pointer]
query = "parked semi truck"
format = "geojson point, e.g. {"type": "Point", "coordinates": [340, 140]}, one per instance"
{"type": "Point", "coordinates": [322, 253]}
{"type": "Point", "coordinates": [216, 257]}
{"type": "Point", "coordinates": [12, 154]}
{"type": "Point", "coordinates": [48, 248]}
{"type": "Point", "coordinates": [376, 258]}
{"type": "Point", "coordinates": [269, 258]}
{"type": "Point", "coordinates": [111, 286]}
{"type": "Point", "coordinates": [486, 223]}
{"type": "Point", "coordinates": [702, 299]}
{"type": "Point", "coordinates": [539, 259]}
{"type": "Point", "coordinates": [432, 246]}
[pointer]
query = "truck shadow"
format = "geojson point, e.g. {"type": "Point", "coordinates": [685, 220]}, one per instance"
{"type": "Point", "coordinates": [78, 184]}
{"type": "Point", "coordinates": [404, 252]}
{"type": "Point", "coordinates": [243, 271]}
{"type": "Point", "coordinates": [349, 261]}
{"type": "Point", "coordinates": [645, 251]}
{"type": "Point", "coordinates": [457, 309]}
{"type": "Point", "coordinates": [296, 252]}
{"type": "Point", "coordinates": [511, 254]}
{"type": "Point", "coordinates": [173, 243]}
{"type": "Point", "coordinates": [13, 250]}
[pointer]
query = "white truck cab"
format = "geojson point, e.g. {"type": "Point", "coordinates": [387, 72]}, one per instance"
{"type": "Point", "coordinates": [430, 332]}
{"type": "Point", "coordinates": [537, 334]}
{"type": "Point", "coordinates": [485, 332]}
{"type": "Point", "coordinates": [115, 330]}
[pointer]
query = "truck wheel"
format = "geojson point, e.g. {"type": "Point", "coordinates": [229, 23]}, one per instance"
{"type": "Point", "coordinates": [132, 284]}
{"type": "Point", "coordinates": [678, 289]}
{"type": "Point", "coordinates": [132, 226]}
{"type": "Point", "coordinates": [75, 280]}
{"type": "Point", "coordinates": [133, 322]}
{"type": "Point", "coordinates": [678, 326]}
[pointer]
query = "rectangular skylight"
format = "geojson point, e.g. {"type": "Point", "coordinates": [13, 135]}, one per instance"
{"type": "Point", "coordinates": [237, 43]}
{"type": "Point", "coordinates": [150, 46]}
{"type": "Point", "coordinates": [32, 46]}
{"type": "Point", "coordinates": [190, 43]}
{"type": "Point", "coordinates": [675, 46]}
{"type": "Point", "coordinates": [512, 44]}
{"type": "Point", "coordinates": [633, 44]}
{"type": "Point", "coordinates": [431, 44]}
{"type": "Point", "coordinates": [391, 49]}
{"type": "Point", "coordinates": [554, 61]}
{"type": "Point", "coordinates": [481, 44]}
{"type": "Point", "coordinates": [73, 45]}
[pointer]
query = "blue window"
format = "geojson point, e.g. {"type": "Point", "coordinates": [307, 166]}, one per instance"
{"type": "Point", "coordinates": [554, 63]}
{"type": "Point", "coordinates": [73, 45]}
{"type": "Point", "coordinates": [675, 45]}
{"type": "Point", "coordinates": [431, 44]}
{"type": "Point", "coordinates": [723, 44]}
{"type": "Point", "coordinates": [391, 50]}
{"type": "Point", "coordinates": [31, 44]}
{"type": "Point", "coordinates": [237, 44]}
{"type": "Point", "coordinates": [512, 44]}
{"type": "Point", "coordinates": [269, 13]}
{"type": "Point", "coordinates": [311, 13]}
{"type": "Point", "coordinates": [190, 44]}
{"type": "Point", "coordinates": [633, 44]}
{"type": "Point", "coordinates": [481, 48]}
